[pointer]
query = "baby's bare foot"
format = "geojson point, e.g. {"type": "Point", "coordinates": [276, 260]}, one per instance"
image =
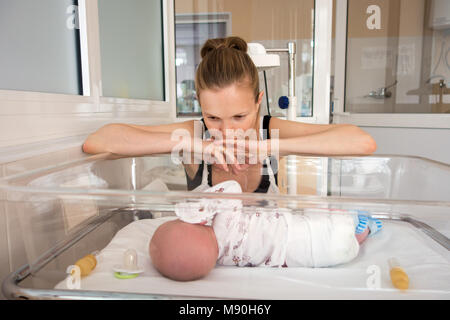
{"type": "Point", "coordinates": [367, 226]}
{"type": "Point", "coordinates": [362, 236]}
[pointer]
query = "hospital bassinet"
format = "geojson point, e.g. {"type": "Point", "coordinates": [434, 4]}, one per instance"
{"type": "Point", "coordinates": [109, 205]}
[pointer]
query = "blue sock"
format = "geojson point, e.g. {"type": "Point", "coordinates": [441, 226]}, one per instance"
{"type": "Point", "coordinates": [375, 225]}
{"type": "Point", "coordinates": [366, 221]}
{"type": "Point", "coordinates": [363, 223]}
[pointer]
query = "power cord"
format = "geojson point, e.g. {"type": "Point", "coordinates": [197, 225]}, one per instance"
{"type": "Point", "coordinates": [267, 93]}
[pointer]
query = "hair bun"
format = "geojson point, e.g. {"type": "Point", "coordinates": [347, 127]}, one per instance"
{"type": "Point", "coordinates": [223, 43]}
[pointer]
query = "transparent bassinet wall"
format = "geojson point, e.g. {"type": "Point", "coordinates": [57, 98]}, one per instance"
{"type": "Point", "coordinates": [74, 208]}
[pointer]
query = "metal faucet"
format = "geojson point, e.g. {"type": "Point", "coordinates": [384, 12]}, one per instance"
{"type": "Point", "coordinates": [381, 93]}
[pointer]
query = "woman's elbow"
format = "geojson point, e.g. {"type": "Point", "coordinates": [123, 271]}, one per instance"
{"type": "Point", "coordinates": [90, 146]}
{"type": "Point", "coordinates": [364, 144]}
{"type": "Point", "coordinates": [97, 142]}
{"type": "Point", "coordinates": [85, 147]}
{"type": "Point", "coordinates": [369, 145]}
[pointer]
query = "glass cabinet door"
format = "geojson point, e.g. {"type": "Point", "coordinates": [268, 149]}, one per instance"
{"type": "Point", "coordinates": [132, 49]}
{"type": "Point", "coordinates": [271, 23]}
{"type": "Point", "coordinates": [40, 46]}
{"type": "Point", "coordinates": [398, 56]}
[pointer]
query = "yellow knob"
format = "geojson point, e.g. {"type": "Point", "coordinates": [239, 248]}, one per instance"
{"type": "Point", "coordinates": [86, 264]}
{"type": "Point", "coordinates": [399, 278]}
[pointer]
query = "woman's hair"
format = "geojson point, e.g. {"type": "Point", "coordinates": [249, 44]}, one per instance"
{"type": "Point", "coordinates": [224, 62]}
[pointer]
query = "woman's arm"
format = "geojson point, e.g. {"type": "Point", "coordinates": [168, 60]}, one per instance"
{"type": "Point", "coordinates": [340, 140]}
{"type": "Point", "coordinates": [313, 139]}
{"type": "Point", "coordinates": [134, 140]}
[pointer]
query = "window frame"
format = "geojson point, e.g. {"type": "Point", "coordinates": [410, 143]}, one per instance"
{"type": "Point", "coordinates": [191, 18]}
{"type": "Point", "coordinates": [323, 14]}
{"type": "Point", "coordinates": [400, 120]}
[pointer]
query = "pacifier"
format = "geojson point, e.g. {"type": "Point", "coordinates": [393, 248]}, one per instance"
{"type": "Point", "coordinates": [130, 268]}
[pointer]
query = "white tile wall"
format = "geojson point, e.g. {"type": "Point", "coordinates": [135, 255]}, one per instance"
{"type": "Point", "coordinates": [34, 128]}
{"type": "Point", "coordinates": [428, 143]}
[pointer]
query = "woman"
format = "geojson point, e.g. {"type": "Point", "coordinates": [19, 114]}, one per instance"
{"type": "Point", "coordinates": [227, 88]}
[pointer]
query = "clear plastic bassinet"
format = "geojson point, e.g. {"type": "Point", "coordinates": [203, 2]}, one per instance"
{"type": "Point", "coordinates": [104, 205]}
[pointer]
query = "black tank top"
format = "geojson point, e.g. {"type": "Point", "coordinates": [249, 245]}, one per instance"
{"type": "Point", "coordinates": [263, 185]}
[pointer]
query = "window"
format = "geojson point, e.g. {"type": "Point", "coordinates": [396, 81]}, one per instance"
{"type": "Point", "coordinates": [132, 50]}
{"type": "Point", "coordinates": [191, 32]}
{"type": "Point", "coordinates": [273, 24]}
{"type": "Point", "coordinates": [39, 46]}
{"type": "Point", "coordinates": [399, 54]}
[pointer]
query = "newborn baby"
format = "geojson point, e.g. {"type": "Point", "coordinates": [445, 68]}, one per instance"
{"type": "Point", "coordinates": [222, 231]}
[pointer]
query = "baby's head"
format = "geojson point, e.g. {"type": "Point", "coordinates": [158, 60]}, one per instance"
{"type": "Point", "coordinates": [183, 251]}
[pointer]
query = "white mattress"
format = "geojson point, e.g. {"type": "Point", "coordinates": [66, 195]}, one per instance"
{"type": "Point", "coordinates": [426, 263]}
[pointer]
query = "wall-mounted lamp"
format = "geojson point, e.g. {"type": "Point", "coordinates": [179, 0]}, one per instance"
{"type": "Point", "coordinates": [264, 60]}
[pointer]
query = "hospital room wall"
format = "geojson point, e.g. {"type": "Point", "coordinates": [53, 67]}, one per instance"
{"type": "Point", "coordinates": [258, 20]}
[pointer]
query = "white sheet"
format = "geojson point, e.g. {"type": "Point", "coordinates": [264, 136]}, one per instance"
{"type": "Point", "coordinates": [426, 263]}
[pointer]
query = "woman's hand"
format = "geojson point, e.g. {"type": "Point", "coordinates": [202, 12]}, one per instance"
{"type": "Point", "coordinates": [215, 152]}
{"type": "Point", "coordinates": [245, 152]}
{"type": "Point", "coordinates": [210, 151]}
{"type": "Point", "coordinates": [235, 155]}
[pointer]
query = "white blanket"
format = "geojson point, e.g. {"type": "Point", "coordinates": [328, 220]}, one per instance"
{"type": "Point", "coordinates": [426, 263]}
{"type": "Point", "coordinates": [272, 237]}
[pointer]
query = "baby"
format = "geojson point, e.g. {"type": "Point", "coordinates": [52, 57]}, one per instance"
{"type": "Point", "coordinates": [222, 231]}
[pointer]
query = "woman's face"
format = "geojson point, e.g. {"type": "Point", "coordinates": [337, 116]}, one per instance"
{"type": "Point", "coordinates": [233, 107]}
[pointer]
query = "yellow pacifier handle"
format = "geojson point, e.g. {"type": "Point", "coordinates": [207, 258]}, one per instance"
{"type": "Point", "coordinates": [86, 264]}
{"type": "Point", "coordinates": [399, 277]}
